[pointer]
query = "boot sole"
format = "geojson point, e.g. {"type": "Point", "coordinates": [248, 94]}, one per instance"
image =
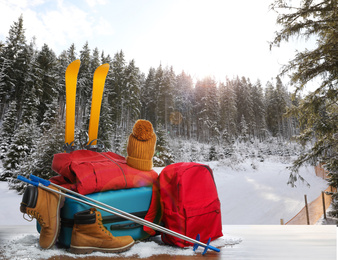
{"type": "Point", "coordinates": [61, 202]}
{"type": "Point", "coordinates": [88, 250]}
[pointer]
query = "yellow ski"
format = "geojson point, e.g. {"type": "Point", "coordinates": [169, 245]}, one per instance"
{"type": "Point", "coordinates": [71, 79]}
{"type": "Point", "coordinates": [99, 79]}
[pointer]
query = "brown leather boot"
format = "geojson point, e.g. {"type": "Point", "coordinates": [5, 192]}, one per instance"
{"type": "Point", "coordinates": [90, 235]}
{"type": "Point", "coordinates": [45, 207]}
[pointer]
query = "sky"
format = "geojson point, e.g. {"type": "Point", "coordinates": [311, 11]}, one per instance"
{"type": "Point", "coordinates": [218, 38]}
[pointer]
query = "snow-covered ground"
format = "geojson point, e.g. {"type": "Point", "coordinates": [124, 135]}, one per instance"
{"type": "Point", "coordinates": [255, 192]}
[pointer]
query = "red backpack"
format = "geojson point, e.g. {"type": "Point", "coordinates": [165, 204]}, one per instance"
{"type": "Point", "coordinates": [190, 203]}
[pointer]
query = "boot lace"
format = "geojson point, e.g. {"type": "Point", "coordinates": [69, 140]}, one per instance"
{"type": "Point", "coordinates": [34, 214]}
{"type": "Point", "coordinates": [99, 220]}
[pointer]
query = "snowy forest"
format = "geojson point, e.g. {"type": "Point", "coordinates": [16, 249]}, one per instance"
{"type": "Point", "coordinates": [187, 114]}
{"type": "Point", "coordinates": [216, 113]}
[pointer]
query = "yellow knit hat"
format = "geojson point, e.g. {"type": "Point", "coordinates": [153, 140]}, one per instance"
{"type": "Point", "coordinates": [141, 146]}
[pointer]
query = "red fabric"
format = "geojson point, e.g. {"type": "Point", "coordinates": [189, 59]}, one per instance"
{"type": "Point", "coordinates": [88, 172]}
{"type": "Point", "coordinates": [190, 203]}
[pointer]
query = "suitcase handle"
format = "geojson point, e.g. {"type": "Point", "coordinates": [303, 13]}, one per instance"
{"type": "Point", "coordinates": [124, 226]}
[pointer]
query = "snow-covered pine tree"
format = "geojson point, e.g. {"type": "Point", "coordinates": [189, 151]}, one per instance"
{"type": "Point", "coordinates": [8, 127]}
{"type": "Point", "coordinates": [71, 52]}
{"type": "Point", "coordinates": [18, 158]}
{"type": "Point", "coordinates": [228, 112]}
{"type": "Point", "coordinates": [12, 63]}
{"type": "Point", "coordinates": [148, 98]}
{"type": "Point", "coordinates": [212, 153]}
{"type": "Point", "coordinates": [318, 112]}
{"type": "Point", "coordinates": [105, 133]}
{"type": "Point", "coordinates": [46, 82]}
{"type": "Point", "coordinates": [244, 130]}
{"type": "Point", "coordinates": [244, 103]}
{"type": "Point", "coordinates": [19, 155]}
{"type": "Point", "coordinates": [165, 97]}
{"type": "Point", "coordinates": [163, 154]}
{"type": "Point", "coordinates": [258, 111]}
{"type": "Point", "coordinates": [213, 110]}
{"type": "Point", "coordinates": [84, 90]}
{"type": "Point", "coordinates": [50, 142]}
{"type": "Point", "coordinates": [183, 103]}
{"type": "Point", "coordinates": [206, 109]}
{"type": "Point", "coordinates": [117, 87]}
{"type": "Point", "coordinates": [193, 153]}
{"type": "Point", "coordinates": [132, 95]}
{"type": "Point", "coordinates": [95, 60]}
{"type": "Point", "coordinates": [281, 102]}
{"type": "Point", "coordinates": [157, 95]}
{"type": "Point", "coordinates": [271, 117]}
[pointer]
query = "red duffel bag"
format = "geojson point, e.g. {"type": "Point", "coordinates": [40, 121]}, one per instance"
{"type": "Point", "coordinates": [87, 172]}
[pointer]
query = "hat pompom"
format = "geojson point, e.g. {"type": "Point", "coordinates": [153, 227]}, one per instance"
{"type": "Point", "coordinates": [143, 130]}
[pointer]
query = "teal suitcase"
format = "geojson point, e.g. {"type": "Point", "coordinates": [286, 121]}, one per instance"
{"type": "Point", "coordinates": [135, 201]}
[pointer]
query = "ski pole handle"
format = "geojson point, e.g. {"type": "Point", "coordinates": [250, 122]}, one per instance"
{"type": "Point", "coordinates": [21, 178]}
{"type": "Point", "coordinates": [40, 180]}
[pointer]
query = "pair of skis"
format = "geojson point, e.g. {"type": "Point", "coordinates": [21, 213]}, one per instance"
{"type": "Point", "coordinates": [99, 79]}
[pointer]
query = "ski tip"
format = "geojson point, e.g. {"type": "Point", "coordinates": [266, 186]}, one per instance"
{"type": "Point", "coordinates": [75, 62]}
{"type": "Point", "coordinates": [74, 65]}
{"type": "Point", "coordinates": [104, 67]}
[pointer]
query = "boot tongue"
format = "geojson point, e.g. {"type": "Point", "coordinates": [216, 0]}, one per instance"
{"type": "Point", "coordinates": [29, 198]}
{"type": "Point", "coordinates": [85, 217]}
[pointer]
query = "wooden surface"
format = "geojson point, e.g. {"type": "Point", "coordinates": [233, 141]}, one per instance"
{"type": "Point", "coordinates": [258, 242]}
{"type": "Point", "coordinates": [10, 233]}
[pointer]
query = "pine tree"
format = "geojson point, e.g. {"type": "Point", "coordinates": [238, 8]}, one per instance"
{"type": "Point", "coordinates": [318, 112]}
{"type": "Point", "coordinates": [228, 112]}
{"type": "Point", "coordinates": [19, 156]}
{"type": "Point", "coordinates": [244, 103]}
{"type": "Point", "coordinates": [258, 111]}
{"type": "Point", "coordinates": [50, 142]}
{"type": "Point", "coordinates": [207, 109]}
{"type": "Point", "coordinates": [271, 109]}
{"type": "Point", "coordinates": [105, 133]}
{"type": "Point", "coordinates": [193, 153]}
{"type": "Point", "coordinates": [46, 79]}
{"type": "Point", "coordinates": [183, 103]}
{"type": "Point", "coordinates": [116, 88]}
{"type": "Point", "coordinates": [244, 130]}
{"type": "Point", "coordinates": [83, 93]}
{"type": "Point", "coordinates": [14, 66]}
{"type": "Point", "coordinates": [62, 63]}
{"type": "Point", "coordinates": [212, 153]}
{"type": "Point", "coordinates": [165, 96]}
{"type": "Point", "coordinates": [71, 52]}
{"type": "Point", "coordinates": [8, 127]}
{"type": "Point", "coordinates": [148, 97]}
{"type": "Point", "coordinates": [158, 88]}
{"type": "Point", "coordinates": [281, 101]}
{"type": "Point", "coordinates": [18, 159]}
{"type": "Point", "coordinates": [212, 100]}
{"type": "Point", "coordinates": [132, 94]}
{"type": "Point", "coordinates": [163, 154]}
